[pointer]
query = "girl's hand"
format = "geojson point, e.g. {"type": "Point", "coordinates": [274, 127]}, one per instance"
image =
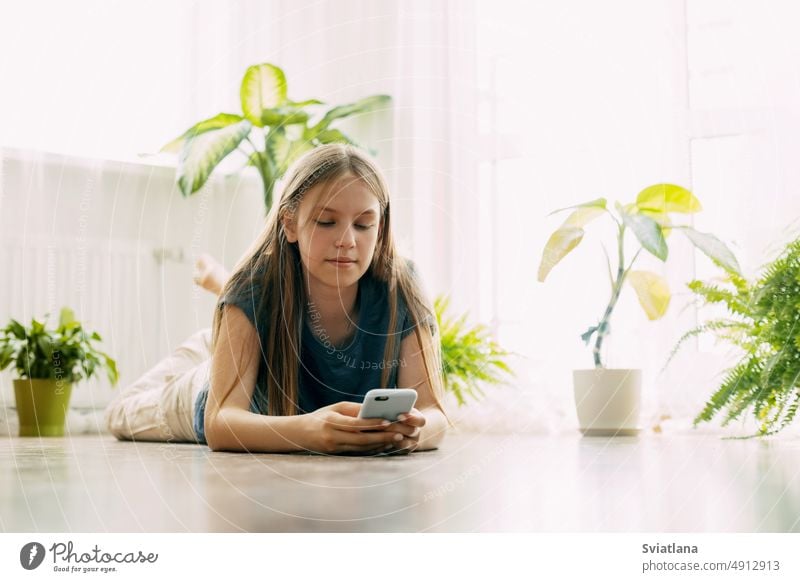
{"type": "Point", "coordinates": [337, 429]}
{"type": "Point", "coordinates": [409, 426]}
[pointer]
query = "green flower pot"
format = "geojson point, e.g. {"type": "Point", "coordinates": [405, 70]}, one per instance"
{"type": "Point", "coordinates": [42, 406]}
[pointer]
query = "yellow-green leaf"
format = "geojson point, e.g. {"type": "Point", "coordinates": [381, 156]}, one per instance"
{"type": "Point", "coordinates": [217, 122]}
{"type": "Point", "coordinates": [582, 216]}
{"type": "Point", "coordinates": [304, 103]}
{"type": "Point", "coordinates": [668, 198]}
{"type": "Point", "coordinates": [263, 87]}
{"type": "Point", "coordinates": [361, 106]}
{"type": "Point", "coordinates": [662, 219]}
{"type": "Point", "coordinates": [201, 154]}
{"type": "Point", "coordinates": [66, 317]}
{"type": "Point", "coordinates": [560, 243]}
{"type": "Point", "coordinates": [653, 292]}
{"type": "Point", "coordinates": [282, 116]}
{"type": "Point", "coordinates": [285, 151]}
{"type": "Point", "coordinates": [598, 203]}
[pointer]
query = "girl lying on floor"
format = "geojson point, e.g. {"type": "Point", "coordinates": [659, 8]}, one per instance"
{"type": "Point", "coordinates": [319, 311]}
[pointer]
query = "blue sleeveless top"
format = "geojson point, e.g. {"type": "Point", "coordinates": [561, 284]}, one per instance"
{"type": "Point", "coordinates": [329, 374]}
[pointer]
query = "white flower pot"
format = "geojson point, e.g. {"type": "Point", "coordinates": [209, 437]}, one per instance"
{"type": "Point", "coordinates": [608, 401]}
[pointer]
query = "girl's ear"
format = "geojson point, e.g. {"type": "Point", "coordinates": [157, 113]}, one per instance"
{"type": "Point", "coordinates": [290, 227]}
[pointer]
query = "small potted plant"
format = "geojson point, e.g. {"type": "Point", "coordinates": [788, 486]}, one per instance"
{"type": "Point", "coordinates": [469, 355]}
{"type": "Point", "coordinates": [608, 400]}
{"type": "Point", "coordinates": [271, 132]}
{"type": "Point", "coordinates": [763, 324]}
{"type": "Point", "coordinates": [48, 363]}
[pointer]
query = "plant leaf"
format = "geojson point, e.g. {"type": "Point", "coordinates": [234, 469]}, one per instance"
{"type": "Point", "coordinates": [201, 154]}
{"type": "Point", "coordinates": [661, 218]}
{"type": "Point", "coordinates": [7, 355]}
{"type": "Point", "coordinates": [217, 122]}
{"type": "Point", "coordinates": [111, 368]}
{"type": "Point", "coordinates": [334, 136]}
{"type": "Point", "coordinates": [470, 357]}
{"type": "Point", "coordinates": [647, 231]}
{"type": "Point", "coordinates": [282, 116]}
{"type": "Point", "coordinates": [583, 216]}
{"type": "Point", "coordinates": [285, 151]}
{"type": "Point", "coordinates": [16, 329]}
{"type": "Point", "coordinates": [46, 346]}
{"type": "Point", "coordinates": [304, 103]}
{"type": "Point", "coordinates": [653, 292]}
{"type": "Point", "coordinates": [360, 106]}
{"type": "Point", "coordinates": [66, 317]}
{"type": "Point", "coordinates": [668, 198]}
{"type": "Point", "coordinates": [560, 243]}
{"type": "Point", "coordinates": [263, 87]}
{"type": "Point", "coordinates": [713, 248]}
{"type": "Point", "coordinates": [597, 203]}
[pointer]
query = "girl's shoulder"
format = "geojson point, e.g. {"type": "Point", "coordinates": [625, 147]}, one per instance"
{"type": "Point", "coordinates": [245, 292]}
{"type": "Point", "coordinates": [423, 312]}
{"type": "Point", "coordinates": [374, 294]}
{"type": "Point", "coordinates": [379, 287]}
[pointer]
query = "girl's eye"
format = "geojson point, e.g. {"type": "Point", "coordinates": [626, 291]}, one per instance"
{"type": "Point", "coordinates": [331, 223]}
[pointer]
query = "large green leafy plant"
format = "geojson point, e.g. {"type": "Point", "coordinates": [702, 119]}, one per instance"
{"type": "Point", "coordinates": [650, 219]}
{"type": "Point", "coordinates": [763, 322]}
{"type": "Point", "coordinates": [67, 353]}
{"type": "Point", "coordinates": [469, 355]}
{"type": "Point", "coordinates": [271, 132]}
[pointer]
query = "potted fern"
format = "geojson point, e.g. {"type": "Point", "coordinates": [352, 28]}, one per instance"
{"type": "Point", "coordinates": [607, 399]}
{"type": "Point", "coordinates": [470, 357]}
{"type": "Point", "coordinates": [48, 363]}
{"type": "Point", "coordinates": [271, 132]}
{"type": "Point", "coordinates": [763, 323]}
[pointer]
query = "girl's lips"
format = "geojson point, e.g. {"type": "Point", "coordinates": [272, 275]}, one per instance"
{"type": "Point", "coordinates": [341, 263]}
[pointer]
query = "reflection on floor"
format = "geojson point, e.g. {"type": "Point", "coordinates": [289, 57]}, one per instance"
{"type": "Point", "coordinates": [473, 483]}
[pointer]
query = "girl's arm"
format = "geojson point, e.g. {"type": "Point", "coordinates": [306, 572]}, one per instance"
{"type": "Point", "coordinates": [432, 424]}
{"type": "Point", "coordinates": [234, 369]}
{"type": "Point", "coordinates": [230, 426]}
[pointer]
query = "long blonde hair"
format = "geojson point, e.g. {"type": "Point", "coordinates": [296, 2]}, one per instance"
{"type": "Point", "coordinates": [273, 263]}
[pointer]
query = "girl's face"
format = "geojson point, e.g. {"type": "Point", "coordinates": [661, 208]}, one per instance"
{"type": "Point", "coordinates": [337, 227]}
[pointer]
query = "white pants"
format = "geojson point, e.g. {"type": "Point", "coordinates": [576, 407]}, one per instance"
{"type": "Point", "coordinates": [159, 406]}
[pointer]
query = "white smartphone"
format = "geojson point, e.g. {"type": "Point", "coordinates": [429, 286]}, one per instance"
{"type": "Point", "coordinates": [388, 403]}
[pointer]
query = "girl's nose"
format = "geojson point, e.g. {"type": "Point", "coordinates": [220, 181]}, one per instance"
{"type": "Point", "coordinates": [348, 238]}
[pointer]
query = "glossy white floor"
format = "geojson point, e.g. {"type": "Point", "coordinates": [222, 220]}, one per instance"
{"type": "Point", "coordinates": [473, 483]}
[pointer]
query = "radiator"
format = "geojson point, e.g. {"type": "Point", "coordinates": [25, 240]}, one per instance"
{"type": "Point", "coordinates": [114, 288]}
